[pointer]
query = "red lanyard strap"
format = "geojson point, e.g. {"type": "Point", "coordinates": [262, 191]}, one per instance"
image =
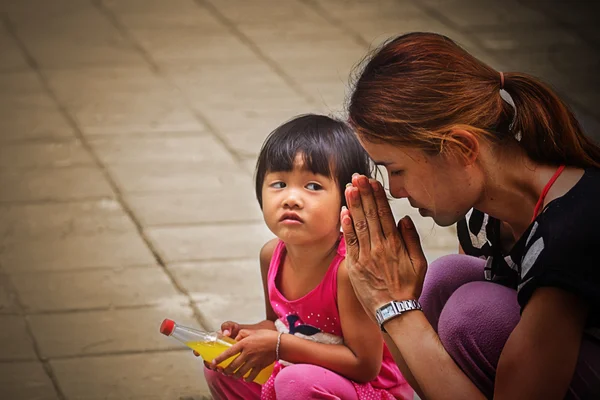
{"type": "Point", "coordinates": [540, 202]}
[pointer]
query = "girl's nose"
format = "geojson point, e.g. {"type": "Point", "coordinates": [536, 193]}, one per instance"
{"type": "Point", "coordinates": [292, 199]}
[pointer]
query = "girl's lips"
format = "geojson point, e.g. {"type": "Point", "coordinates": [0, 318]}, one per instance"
{"type": "Point", "coordinates": [290, 216]}
{"type": "Point", "coordinates": [291, 222]}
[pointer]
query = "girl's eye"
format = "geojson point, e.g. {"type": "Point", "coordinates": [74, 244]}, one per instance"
{"type": "Point", "coordinates": [278, 185]}
{"type": "Point", "coordinates": [396, 172]}
{"type": "Point", "coordinates": [314, 186]}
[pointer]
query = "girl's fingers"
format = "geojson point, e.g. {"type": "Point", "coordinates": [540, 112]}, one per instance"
{"type": "Point", "coordinates": [237, 362]}
{"type": "Point", "coordinates": [232, 351]}
{"type": "Point", "coordinates": [253, 374]}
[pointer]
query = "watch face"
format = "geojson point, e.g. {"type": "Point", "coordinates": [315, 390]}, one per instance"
{"type": "Point", "coordinates": [388, 311]}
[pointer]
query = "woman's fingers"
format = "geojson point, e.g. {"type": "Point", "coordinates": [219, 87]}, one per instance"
{"type": "Point", "coordinates": [412, 243]}
{"type": "Point", "coordinates": [386, 217]}
{"type": "Point", "coordinates": [230, 352]}
{"type": "Point", "coordinates": [349, 234]}
{"type": "Point", "coordinates": [361, 227]}
{"type": "Point", "coordinates": [370, 209]}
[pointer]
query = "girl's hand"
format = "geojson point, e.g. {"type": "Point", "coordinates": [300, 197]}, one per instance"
{"type": "Point", "coordinates": [230, 328]}
{"type": "Point", "coordinates": [256, 350]}
{"type": "Point", "coordinates": [385, 262]}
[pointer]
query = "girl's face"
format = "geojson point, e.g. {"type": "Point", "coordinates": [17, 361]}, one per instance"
{"type": "Point", "coordinates": [441, 187]}
{"type": "Point", "coordinates": [301, 207]}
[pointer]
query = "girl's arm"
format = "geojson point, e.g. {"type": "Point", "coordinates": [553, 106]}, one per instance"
{"type": "Point", "coordinates": [359, 359]}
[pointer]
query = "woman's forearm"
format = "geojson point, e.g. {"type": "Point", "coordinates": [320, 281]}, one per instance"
{"type": "Point", "coordinates": [402, 366]}
{"type": "Point", "coordinates": [436, 374]}
{"type": "Point", "coordinates": [335, 357]}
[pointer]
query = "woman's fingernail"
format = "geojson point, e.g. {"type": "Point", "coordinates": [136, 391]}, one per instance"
{"type": "Point", "coordinates": [344, 208]}
{"type": "Point", "coordinates": [374, 185]}
{"type": "Point", "coordinates": [349, 184]}
{"type": "Point", "coordinates": [407, 222]}
{"type": "Point", "coordinates": [355, 174]}
{"type": "Point", "coordinates": [363, 182]}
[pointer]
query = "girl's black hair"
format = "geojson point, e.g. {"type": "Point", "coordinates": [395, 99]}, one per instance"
{"type": "Point", "coordinates": [329, 147]}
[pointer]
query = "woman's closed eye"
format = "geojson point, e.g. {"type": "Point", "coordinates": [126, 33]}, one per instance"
{"type": "Point", "coordinates": [314, 186]}
{"type": "Point", "coordinates": [396, 172]}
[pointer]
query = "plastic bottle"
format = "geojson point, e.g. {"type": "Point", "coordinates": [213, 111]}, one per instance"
{"type": "Point", "coordinates": [208, 344]}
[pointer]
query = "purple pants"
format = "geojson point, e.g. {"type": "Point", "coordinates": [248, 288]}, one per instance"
{"type": "Point", "coordinates": [474, 319]}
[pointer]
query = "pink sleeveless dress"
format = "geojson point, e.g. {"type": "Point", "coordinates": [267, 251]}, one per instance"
{"type": "Point", "coordinates": [315, 317]}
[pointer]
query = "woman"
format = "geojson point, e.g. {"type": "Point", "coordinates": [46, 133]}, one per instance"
{"type": "Point", "coordinates": [525, 324]}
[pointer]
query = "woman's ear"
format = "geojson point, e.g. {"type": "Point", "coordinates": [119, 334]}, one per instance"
{"type": "Point", "coordinates": [464, 144]}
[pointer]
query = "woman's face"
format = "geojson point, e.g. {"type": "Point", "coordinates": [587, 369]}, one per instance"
{"type": "Point", "coordinates": [442, 187]}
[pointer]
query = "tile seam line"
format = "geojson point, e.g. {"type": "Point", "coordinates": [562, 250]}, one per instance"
{"type": "Point", "coordinates": [49, 371]}
{"type": "Point", "coordinates": [159, 73]}
{"type": "Point", "coordinates": [111, 182]}
{"type": "Point", "coordinates": [255, 49]}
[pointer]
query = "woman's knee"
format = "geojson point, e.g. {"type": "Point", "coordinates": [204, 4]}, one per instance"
{"type": "Point", "coordinates": [444, 276]}
{"type": "Point", "coordinates": [474, 326]}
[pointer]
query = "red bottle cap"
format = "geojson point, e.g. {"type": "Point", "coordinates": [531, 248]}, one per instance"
{"type": "Point", "coordinates": [167, 326]}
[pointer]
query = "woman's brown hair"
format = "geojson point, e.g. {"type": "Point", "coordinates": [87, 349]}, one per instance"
{"type": "Point", "coordinates": [415, 89]}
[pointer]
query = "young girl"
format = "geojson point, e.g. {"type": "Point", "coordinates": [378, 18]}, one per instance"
{"type": "Point", "coordinates": [316, 331]}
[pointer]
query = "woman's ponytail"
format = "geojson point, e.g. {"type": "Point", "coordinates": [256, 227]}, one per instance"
{"type": "Point", "coordinates": [547, 128]}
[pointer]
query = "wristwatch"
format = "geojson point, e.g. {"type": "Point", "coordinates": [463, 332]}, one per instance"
{"type": "Point", "coordinates": [394, 309]}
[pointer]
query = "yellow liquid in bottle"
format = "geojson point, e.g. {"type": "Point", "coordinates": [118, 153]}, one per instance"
{"type": "Point", "coordinates": [210, 350]}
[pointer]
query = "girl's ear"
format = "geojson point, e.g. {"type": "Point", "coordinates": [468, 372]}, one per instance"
{"type": "Point", "coordinates": [462, 144]}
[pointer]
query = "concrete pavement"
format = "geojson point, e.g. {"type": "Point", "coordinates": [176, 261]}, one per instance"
{"type": "Point", "coordinates": [128, 136]}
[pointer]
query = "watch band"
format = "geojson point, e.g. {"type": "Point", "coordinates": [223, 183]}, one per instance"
{"type": "Point", "coordinates": [394, 309]}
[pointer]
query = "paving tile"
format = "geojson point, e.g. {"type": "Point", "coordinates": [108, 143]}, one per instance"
{"type": "Point", "coordinates": [123, 287]}
{"type": "Point", "coordinates": [11, 57]}
{"type": "Point", "coordinates": [18, 122]}
{"type": "Point", "coordinates": [356, 10]}
{"type": "Point", "coordinates": [243, 13]}
{"type": "Point", "coordinates": [525, 40]}
{"type": "Point", "coordinates": [53, 184]}
{"type": "Point", "coordinates": [194, 45]}
{"type": "Point", "coordinates": [209, 242]}
{"type": "Point", "coordinates": [43, 155]}
{"type": "Point", "coordinates": [8, 296]}
{"type": "Point", "coordinates": [488, 13]}
{"type": "Point", "coordinates": [203, 280]}
{"type": "Point", "coordinates": [228, 204]}
{"type": "Point", "coordinates": [155, 376]}
{"type": "Point", "coordinates": [176, 177]}
{"type": "Point", "coordinates": [160, 14]}
{"type": "Point", "coordinates": [216, 309]}
{"type": "Point", "coordinates": [26, 381]}
{"type": "Point", "coordinates": [116, 107]}
{"type": "Point", "coordinates": [101, 332]}
{"type": "Point", "coordinates": [15, 342]}
{"type": "Point", "coordinates": [203, 149]}
{"type": "Point", "coordinates": [26, 111]}
{"type": "Point", "coordinates": [63, 219]}
{"type": "Point", "coordinates": [57, 49]}
{"type": "Point", "coordinates": [78, 252]}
